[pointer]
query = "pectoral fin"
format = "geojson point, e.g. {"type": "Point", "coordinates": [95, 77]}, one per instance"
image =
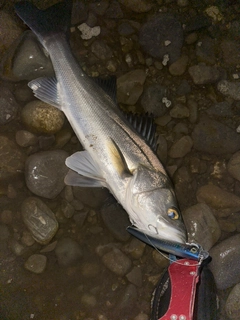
{"type": "Point", "coordinates": [118, 159]}
{"type": "Point", "coordinates": [87, 173]}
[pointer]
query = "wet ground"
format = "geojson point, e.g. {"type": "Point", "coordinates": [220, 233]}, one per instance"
{"type": "Point", "coordinates": [64, 251]}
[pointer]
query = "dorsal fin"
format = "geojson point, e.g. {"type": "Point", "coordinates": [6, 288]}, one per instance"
{"type": "Point", "coordinates": [145, 126]}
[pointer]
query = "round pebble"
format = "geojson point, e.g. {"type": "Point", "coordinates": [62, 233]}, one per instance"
{"type": "Point", "coordinates": [36, 263]}
{"type": "Point", "coordinates": [68, 251]}
{"type": "Point", "coordinates": [40, 117]}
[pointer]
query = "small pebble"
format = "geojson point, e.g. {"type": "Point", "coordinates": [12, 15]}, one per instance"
{"type": "Point", "coordinates": [36, 263]}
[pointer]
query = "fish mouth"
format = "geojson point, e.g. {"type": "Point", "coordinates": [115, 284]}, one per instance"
{"type": "Point", "coordinates": [170, 234]}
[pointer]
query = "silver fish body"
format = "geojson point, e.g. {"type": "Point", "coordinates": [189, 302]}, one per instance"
{"type": "Point", "coordinates": [115, 155]}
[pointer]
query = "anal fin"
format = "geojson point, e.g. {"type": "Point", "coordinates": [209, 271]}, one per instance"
{"type": "Point", "coordinates": [46, 89]}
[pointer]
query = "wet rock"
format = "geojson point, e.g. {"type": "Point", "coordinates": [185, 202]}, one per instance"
{"type": "Point", "coordinates": [12, 159]}
{"type": "Point", "coordinates": [151, 100]}
{"type": "Point", "coordinates": [225, 262]}
{"type": "Point", "coordinates": [117, 262]}
{"type": "Point", "coordinates": [179, 111]}
{"type": "Point", "coordinates": [206, 50]}
{"type": "Point", "coordinates": [162, 36]}
{"type": "Point", "coordinates": [229, 88]}
{"type": "Point", "coordinates": [88, 32]}
{"type": "Point", "coordinates": [90, 270]}
{"type": "Point", "coordinates": [138, 6]}
{"type": "Point", "coordinates": [4, 232]}
{"type": "Point", "coordinates": [88, 300]}
{"type": "Point", "coordinates": [233, 166]}
{"type": "Point", "coordinates": [30, 60]}
{"type": "Point", "coordinates": [136, 248]}
{"type": "Point", "coordinates": [8, 106]}
{"type": "Point", "coordinates": [141, 316]}
{"type": "Point", "coordinates": [125, 29]}
{"type": "Point", "coordinates": [201, 225]}
{"type": "Point", "coordinates": [221, 109]}
{"type": "Point", "coordinates": [40, 117]}
{"type": "Point", "coordinates": [160, 260]}
{"type": "Point", "coordinates": [197, 22]}
{"type": "Point", "coordinates": [79, 13]}
{"type": "Point", "coordinates": [99, 8]}
{"type": "Point", "coordinates": [116, 220]}
{"type": "Point", "coordinates": [223, 201]}
{"type": "Point", "coordinates": [36, 263]}
{"type": "Point", "coordinates": [231, 52]}
{"type": "Point", "coordinates": [181, 147]}
{"type": "Point", "coordinates": [25, 138]}
{"type": "Point", "coordinates": [214, 137]}
{"type": "Point", "coordinates": [6, 216]}
{"type": "Point", "coordinates": [39, 219]}
{"type": "Point", "coordinates": [101, 50]}
{"type": "Point", "coordinates": [130, 86]}
{"type": "Point", "coordinates": [232, 306]}
{"type": "Point", "coordinates": [68, 251]}
{"type": "Point", "coordinates": [178, 67]}
{"type": "Point", "coordinates": [67, 209]}
{"type": "Point", "coordinates": [135, 276]}
{"type": "Point", "coordinates": [45, 172]}
{"type": "Point", "coordinates": [127, 299]}
{"type": "Point", "coordinates": [114, 10]}
{"type": "Point", "coordinates": [93, 197]}
{"type": "Point", "coordinates": [22, 92]}
{"type": "Point", "coordinates": [10, 30]}
{"type": "Point", "coordinates": [17, 248]}
{"type": "Point", "coordinates": [202, 74]}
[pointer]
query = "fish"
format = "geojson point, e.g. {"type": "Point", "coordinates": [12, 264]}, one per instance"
{"type": "Point", "coordinates": [118, 150]}
{"type": "Point", "coordinates": [192, 251]}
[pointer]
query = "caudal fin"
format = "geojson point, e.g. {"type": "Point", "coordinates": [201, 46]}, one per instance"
{"type": "Point", "coordinates": [45, 23]}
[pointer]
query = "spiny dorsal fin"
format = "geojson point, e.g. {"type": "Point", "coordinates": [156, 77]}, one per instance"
{"type": "Point", "coordinates": [145, 126]}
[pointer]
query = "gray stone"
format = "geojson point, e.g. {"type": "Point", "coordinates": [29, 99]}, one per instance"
{"type": "Point", "coordinates": [229, 88]}
{"type": "Point", "coordinates": [160, 260]}
{"type": "Point", "coordinates": [136, 248]}
{"type": "Point", "coordinates": [179, 67]}
{"type": "Point", "coordinates": [221, 109]}
{"type": "Point", "coordinates": [214, 137]}
{"type": "Point", "coordinates": [206, 50]}
{"type": "Point", "coordinates": [30, 61]}
{"type": "Point", "coordinates": [40, 117]}
{"type": "Point", "coordinates": [39, 219]}
{"type": "Point", "coordinates": [232, 306]}
{"type": "Point", "coordinates": [114, 10]}
{"type": "Point", "coordinates": [10, 32]}
{"type": "Point", "coordinates": [92, 197]}
{"type": "Point", "coordinates": [138, 6]}
{"type": "Point", "coordinates": [8, 106]}
{"type": "Point", "coordinates": [116, 220]}
{"type": "Point", "coordinates": [36, 263]}
{"type": "Point", "coordinates": [179, 111]}
{"type": "Point", "coordinates": [25, 138]}
{"type": "Point", "coordinates": [12, 159]}
{"type": "Point", "coordinates": [151, 100]}
{"type": "Point", "coordinates": [181, 147]}
{"type": "Point", "coordinates": [202, 74]}
{"type": "Point", "coordinates": [225, 264]}
{"type": "Point", "coordinates": [88, 300]}
{"type": "Point", "coordinates": [223, 201]}
{"type": "Point", "coordinates": [135, 276]}
{"type": "Point", "coordinates": [127, 299]}
{"type": "Point", "coordinates": [130, 86]}
{"type": "Point", "coordinates": [68, 251]}
{"type": "Point", "coordinates": [45, 172]}
{"type": "Point", "coordinates": [201, 225]}
{"type": "Point", "coordinates": [90, 270]}
{"type": "Point", "coordinates": [101, 50]}
{"type": "Point", "coordinates": [233, 166]}
{"type": "Point", "coordinates": [162, 35]}
{"type": "Point", "coordinates": [117, 262]}
{"type": "Point", "coordinates": [231, 52]}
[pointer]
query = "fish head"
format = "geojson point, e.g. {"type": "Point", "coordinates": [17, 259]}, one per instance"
{"type": "Point", "coordinates": [152, 205]}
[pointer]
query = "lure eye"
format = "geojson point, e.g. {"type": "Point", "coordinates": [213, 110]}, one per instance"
{"type": "Point", "coordinates": [193, 250]}
{"type": "Point", "coordinates": [173, 213]}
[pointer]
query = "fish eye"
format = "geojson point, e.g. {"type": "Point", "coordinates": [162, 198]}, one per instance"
{"type": "Point", "coordinates": [173, 213]}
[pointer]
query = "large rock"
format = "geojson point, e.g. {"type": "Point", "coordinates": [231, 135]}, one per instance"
{"type": "Point", "coordinates": [214, 137]}
{"type": "Point", "coordinates": [162, 35]}
{"type": "Point", "coordinates": [225, 264]}
{"type": "Point", "coordinates": [45, 172]}
{"type": "Point", "coordinates": [233, 166]}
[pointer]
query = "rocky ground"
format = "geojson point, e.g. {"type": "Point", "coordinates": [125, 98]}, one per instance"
{"type": "Point", "coordinates": [64, 251]}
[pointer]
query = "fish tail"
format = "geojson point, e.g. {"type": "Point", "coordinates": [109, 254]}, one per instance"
{"type": "Point", "coordinates": [45, 23]}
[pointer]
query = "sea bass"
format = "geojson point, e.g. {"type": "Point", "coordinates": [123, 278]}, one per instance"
{"type": "Point", "coordinates": [116, 156]}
